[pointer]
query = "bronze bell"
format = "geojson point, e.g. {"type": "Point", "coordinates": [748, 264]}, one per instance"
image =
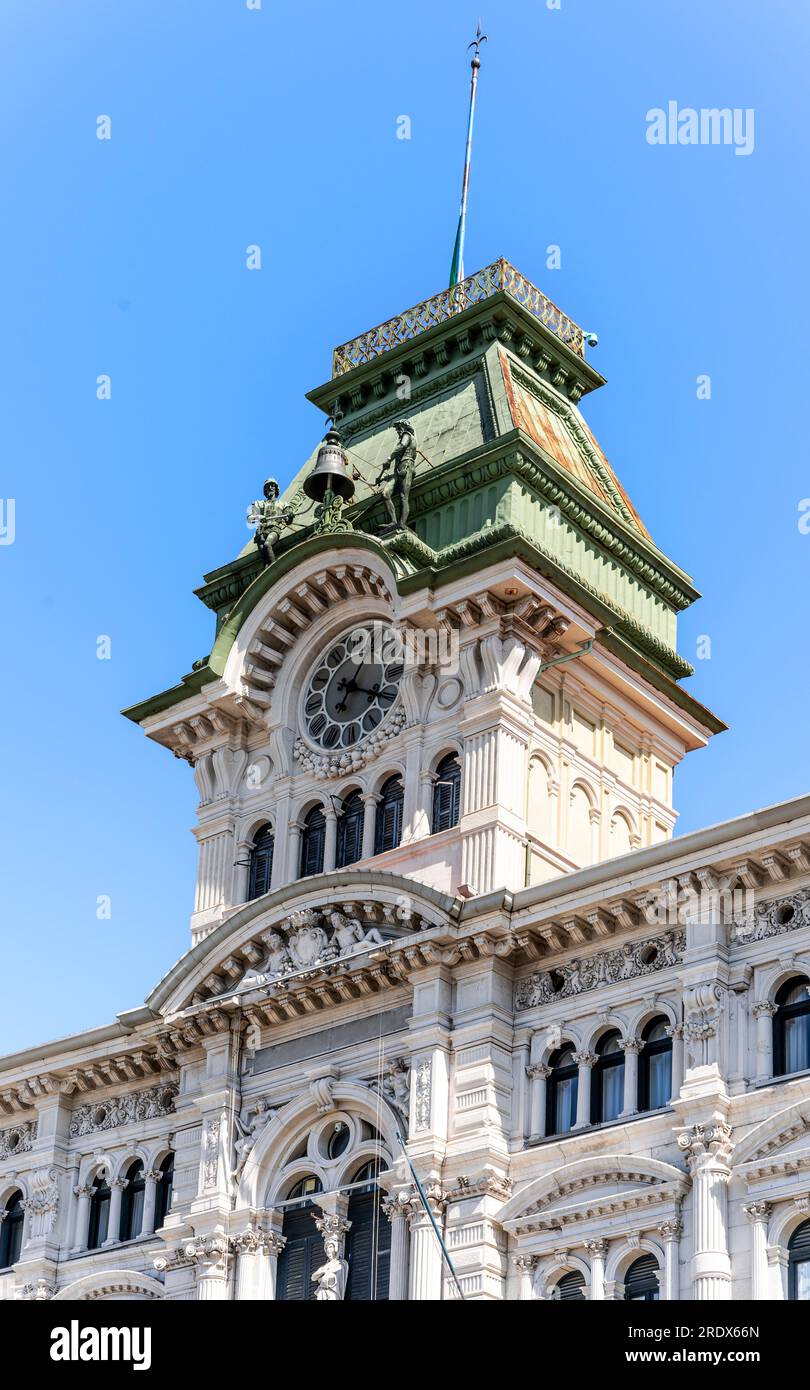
{"type": "Point", "coordinates": [331, 471]}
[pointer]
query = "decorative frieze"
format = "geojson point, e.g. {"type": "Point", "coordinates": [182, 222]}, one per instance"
{"type": "Point", "coordinates": [626, 962]}
{"type": "Point", "coordinates": [17, 1140]}
{"type": "Point", "coordinates": [127, 1109]}
{"type": "Point", "coordinates": [773, 918]}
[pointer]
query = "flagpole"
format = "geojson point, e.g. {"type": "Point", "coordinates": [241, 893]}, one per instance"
{"type": "Point", "coordinates": [457, 267]}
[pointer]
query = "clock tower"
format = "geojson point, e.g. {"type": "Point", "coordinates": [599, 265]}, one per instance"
{"type": "Point", "coordinates": [452, 649]}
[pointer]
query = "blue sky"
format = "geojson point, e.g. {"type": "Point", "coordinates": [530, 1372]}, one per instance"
{"type": "Point", "coordinates": [277, 127]}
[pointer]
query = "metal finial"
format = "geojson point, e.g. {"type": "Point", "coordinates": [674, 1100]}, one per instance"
{"type": "Point", "coordinates": [476, 44]}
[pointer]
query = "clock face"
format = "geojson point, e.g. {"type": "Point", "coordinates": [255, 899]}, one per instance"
{"type": "Point", "coordinates": [353, 686]}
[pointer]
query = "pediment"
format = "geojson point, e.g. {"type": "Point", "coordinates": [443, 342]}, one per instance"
{"type": "Point", "coordinates": [324, 928]}
{"type": "Point", "coordinates": [604, 1187]}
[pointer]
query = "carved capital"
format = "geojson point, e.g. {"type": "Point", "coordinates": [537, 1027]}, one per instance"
{"type": "Point", "coordinates": [702, 1143]}
{"type": "Point", "coordinates": [585, 1059]}
{"type": "Point", "coordinates": [758, 1211]}
{"type": "Point", "coordinates": [764, 1009]}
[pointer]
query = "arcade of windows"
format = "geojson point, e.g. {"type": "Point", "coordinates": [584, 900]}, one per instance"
{"type": "Point", "coordinates": [132, 1203]}
{"type": "Point", "coordinates": [351, 823]}
{"type": "Point", "coordinates": [654, 1084]}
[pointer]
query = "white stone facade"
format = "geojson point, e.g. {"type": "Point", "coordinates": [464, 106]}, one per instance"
{"type": "Point", "coordinates": [425, 992]}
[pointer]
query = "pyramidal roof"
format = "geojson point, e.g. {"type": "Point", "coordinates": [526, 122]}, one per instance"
{"type": "Point", "coordinates": [489, 374]}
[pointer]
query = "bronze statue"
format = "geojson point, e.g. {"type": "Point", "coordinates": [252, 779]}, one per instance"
{"type": "Point", "coordinates": [269, 517]}
{"type": "Point", "coordinates": [393, 483]}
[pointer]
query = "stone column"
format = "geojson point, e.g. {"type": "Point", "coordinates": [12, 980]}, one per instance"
{"type": "Point", "coordinates": [670, 1232]}
{"type": "Point", "coordinates": [763, 1013]}
{"type": "Point", "coordinates": [117, 1186]}
{"type": "Point", "coordinates": [631, 1048]}
{"type": "Point", "coordinates": [538, 1075]}
{"type": "Point", "coordinates": [676, 1034]}
{"type": "Point", "coordinates": [210, 1255]}
{"type": "Point", "coordinates": [294, 850]}
{"type": "Point", "coordinates": [330, 840]}
{"type": "Point", "coordinates": [370, 800]}
{"type": "Point", "coordinates": [597, 1249]}
{"type": "Point", "coordinates": [426, 1255]}
{"type": "Point", "coordinates": [525, 1266]}
{"type": "Point", "coordinates": [397, 1214]}
{"type": "Point", "coordinates": [82, 1218]}
{"type": "Point", "coordinates": [151, 1179]}
{"type": "Point", "coordinates": [257, 1255]}
{"type": "Point", "coordinates": [758, 1214]}
{"type": "Point", "coordinates": [584, 1061]}
{"type": "Point", "coordinates": [707, 1149]}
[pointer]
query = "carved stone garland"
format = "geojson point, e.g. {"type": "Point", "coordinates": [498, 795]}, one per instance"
{"type": "Point", "coordinates": [607, 967]}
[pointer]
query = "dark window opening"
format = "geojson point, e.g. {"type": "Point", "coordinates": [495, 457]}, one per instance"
{"type": "Point", "coordinates": [561, 1091]}
{"type": "Point", "coordinates": [261, 863]}
{"type": "Point", "coordinates": [607, 1080]}
{"type": "Point", "coordinates": [350, 830]}
{"type": "Point", "coordinates": [446, 794]}
{"type": "Point", "coordinates": [655, 1067]}
{"type": "Point", "coordinates": [11, 1230]}
{"type": "Point", "coordinates": [388, 828]}
{"type": "Point", "coordinates": [313, 842]}
{"type": "Point", "coordinates": [791, 1028]}
{"type": "Point", "coordinates": [641, 1281]}
{"type": "Point", "coordinates": [132, 1202]}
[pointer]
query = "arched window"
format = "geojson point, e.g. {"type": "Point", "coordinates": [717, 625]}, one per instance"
{"type": "Point", "coordinates": [164, 1192]}
{"type": "Point", "coordinates": [791, 1028]}
{"type": "Point", "coordinates": [350, 830]}
{"type": "Point", "coordinates": [99, 1212]}
{"type": "Point", "coordinates": [655, 1066]}
{"type": "Point", "coordinates": [388, 827]}
{"type": "Point", "coordinates": [132, 1202]}
{"type": "Point", "coordinates": [313, 841]}
{"type": "Point", "coordinates": [446, 794]}
{"type": "Point", "coordinates": [304, 1187]}
{"type": "Point", "coordinates": [561, 1091]}
{"type": "Point", "coordinates": [570, 1287]}
{"type": "Point", "coordinates": [607, 1081]}
{"type": "Point", "coordinates": [799, 1264]}
{"type": "Point", "coordinates": [641, 1281]}
{"type": "Point", "coordinates": [261, 862]}
{"type": "Point", "coordinates": [11, 1230]}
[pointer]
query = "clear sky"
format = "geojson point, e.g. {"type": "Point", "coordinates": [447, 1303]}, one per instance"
{"type": "Point", "coordinates": [277, 126]}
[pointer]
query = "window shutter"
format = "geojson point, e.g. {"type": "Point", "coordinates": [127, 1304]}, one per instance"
{"type": "Point", "coordinates": [388, 831]}
{"type": "Point", "coordinates": [446, 794]}
{"type": "Point", "coordinates": [261, 863]}
{"type": "Point", "coordinates": [313, 843]}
